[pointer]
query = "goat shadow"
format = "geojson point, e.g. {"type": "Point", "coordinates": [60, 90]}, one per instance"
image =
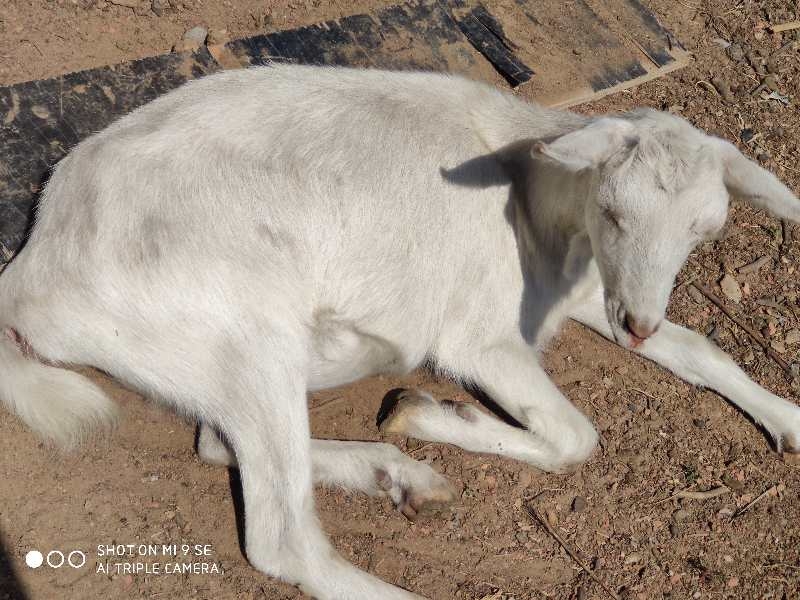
{"type": "Point", "coordinates": [540, 251]}
{"type": "Point", "coordinates": [512, 166]}
{"type": "Point", "coordinates": [10, 584]}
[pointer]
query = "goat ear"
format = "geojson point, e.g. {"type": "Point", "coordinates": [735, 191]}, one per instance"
{"type": "Point", "coordinates": [756, 185]}
{"type": "Point", "coordinates": [590, 146]}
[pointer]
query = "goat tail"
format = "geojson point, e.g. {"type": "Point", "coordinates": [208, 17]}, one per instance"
{"type": "Point", "coordinates": [59, 405]}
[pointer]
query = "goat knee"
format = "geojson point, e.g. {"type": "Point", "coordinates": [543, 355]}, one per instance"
{"type": "Point", "coordinates": [579, 443]}
{"type": "Point", "coordinates": [572, 439]}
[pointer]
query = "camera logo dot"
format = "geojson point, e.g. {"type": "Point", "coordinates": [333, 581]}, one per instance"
{"type": "Point", "coordinates": [34, 559]}
{"type": "Point", "coordinates": [74, 557]}
{"type": "Point", "coordinates": [55, 559]}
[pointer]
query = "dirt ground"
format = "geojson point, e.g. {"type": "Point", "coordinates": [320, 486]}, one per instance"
{"type": "Point", "coordinates": [144, 484]}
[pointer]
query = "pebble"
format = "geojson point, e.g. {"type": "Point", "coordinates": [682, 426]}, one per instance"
{"type": "Point", "coordinates": [778, 346]}
{"type": "Point", "coordinates": [792, 337]}
{"type": "Point", "coordinates": [525, 478]}
{"type": "Point", "coordinates": [680, 515]}
{"type": "Point", "coordinates": [674, 530]}
{"type": "Point", "coordinates": [192, 39]}
{"type": "Point", "coordinates": [197, 35]}
{"type": "Point", "coordinates": [552, 517]}
{"type": "Point", "coordinates": [633, 558]}
{"type": "Point", "coordinates": [695, 294]}
{"type": "Point", "coordinates": [724, 89]}
{"type": "Point", "coordinates": [579, 504]}
{"type": "Point", "coordinates": [158, 7]}
{"type": "Point", "coordinates": [735, 52]}
{"type": "Point", "coordinates": [730, 287]}
{"type": "Point", "coordinates": [732, 483]}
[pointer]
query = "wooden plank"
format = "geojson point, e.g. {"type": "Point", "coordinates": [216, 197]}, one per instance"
{"type": "Point", "coordinates": [486, 34]}
{"type": "Point", "coordinates": [420, 35]}
{"type": "Point", "coordinates": [586, 49]}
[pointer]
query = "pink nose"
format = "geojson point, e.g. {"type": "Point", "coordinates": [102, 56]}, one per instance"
{"type": "Point", "coordinates": [639, 329]}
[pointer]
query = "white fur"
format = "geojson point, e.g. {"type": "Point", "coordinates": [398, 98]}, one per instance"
{"type": "Point", "coordinates": [258, 234]}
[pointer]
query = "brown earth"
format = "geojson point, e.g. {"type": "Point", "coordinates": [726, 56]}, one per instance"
{"type": "Point", "coordinates": [659, 435]}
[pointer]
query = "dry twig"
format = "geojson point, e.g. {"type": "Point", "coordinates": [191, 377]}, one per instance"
{"type": "Point", "coordinates": [736, 319]}
{"type": "Point", "coordinates": [695, 494]}
{"type": "Point", "coordinates": [703, 495]}
{"type": "Point", "coordinates": [785, 26]}
{"type": "Point", "coordinates": [326, 403]}
{"type": "Point", "coordinates": [534, 514]}
{"type": "Point", "coordinates": [770, 491]}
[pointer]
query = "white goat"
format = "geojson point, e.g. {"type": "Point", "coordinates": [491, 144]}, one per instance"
{"type": "Point", "coordinates": [262, 233]}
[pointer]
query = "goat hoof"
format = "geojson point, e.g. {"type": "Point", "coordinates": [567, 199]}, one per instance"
{"type": "Point", "coordinates": [417, 493]}
{"type": "Point", "coordinates": [399, 407]}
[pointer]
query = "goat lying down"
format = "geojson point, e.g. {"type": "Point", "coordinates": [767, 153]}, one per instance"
{"type": "Point", "coordinates": [262, 233]}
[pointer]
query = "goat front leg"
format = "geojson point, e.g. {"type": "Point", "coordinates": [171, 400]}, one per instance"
{"type": "Point", "coordinates": [374, 468]}
{"type": "Point", "coordinates": [693, 358]}
{"type": "Point", "coordinates": [556, 434]}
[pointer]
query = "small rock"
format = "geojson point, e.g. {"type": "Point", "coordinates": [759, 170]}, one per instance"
{"type": "Point", "coordinates": [680, 515]}
{"type": "Point", "coordinates": [792, 337]}
{"type": "Point", "coordinates": [579, 504]}
{"type": "Point", "coordinates": [695, 294]}
{"type": "Point", "coordinates": [724, 89]}
{"type": "Point", "coordinates": [730, 287]}
{"type": "Point", "coordinates": [735, 52]}
{"type": "Point", "coordinates": [192, 39]}
{"type": "Point", "coordinates": [733, 582]}
{"type": "Point", "coordinates": [521, 537]}
{"type": "Point", "coordinates": [699, 423]}
{"type": "Point", "coordinates": [633, 558]}
{"type": "Point", "coordinates": [724, 513]}
{"type": "Point", "coordinates": [746, 134]}
{"type": "Point", "coordinates": [732, 482]}
{"type": "Point", "coordinates": [552, 517]}
{"type": "Point", "coordinates": [525, 478]}
{"type": "Point", "coordinates": [674, 530]}
{"type": "Point", "coordinates": [749, 357]}
{"type": "Point", "coordinates": [158, 7]}
{"type": "Point", "coordinates": [778, 346]}
{"type": "Point", "coordinates": [197, 35]}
